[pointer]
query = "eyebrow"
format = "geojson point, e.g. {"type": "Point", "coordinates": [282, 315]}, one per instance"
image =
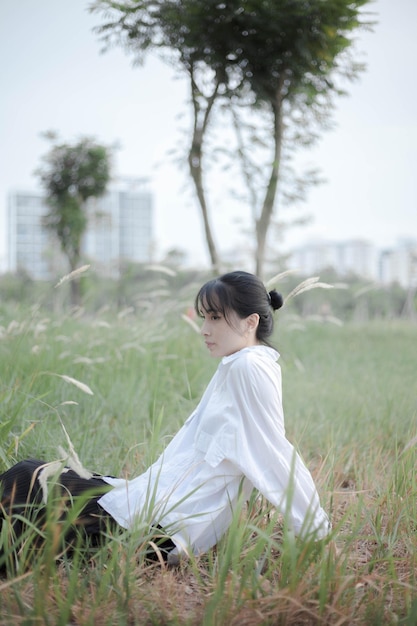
{"type": "Point", "coordinates": [204, 310]}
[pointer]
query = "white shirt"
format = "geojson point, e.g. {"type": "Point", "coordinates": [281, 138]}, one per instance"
{"type": "Point", "coordinates": [234, 440]}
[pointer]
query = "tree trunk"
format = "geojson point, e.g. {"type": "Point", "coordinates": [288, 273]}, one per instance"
{"type": "Point", "coordinates": [75, 285]}
{"type": "Point", "coordinates": [195, 158]}
{"type": "Point", "coordinates": [264, 220]}
{"type": "Point", "coordinates": [75, 292]}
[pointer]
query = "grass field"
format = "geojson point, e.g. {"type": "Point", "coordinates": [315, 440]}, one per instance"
{"type": "Point", "coordinates": [122, 383]}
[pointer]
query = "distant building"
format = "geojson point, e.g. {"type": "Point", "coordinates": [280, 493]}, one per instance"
{"type": "Point", "coordinates": [360, 258]}
{"type": "Point", "coordinates": [119, 228]}
{"type": "Point", "coordinates": [344, 257]}
{"type": "Point", "coordinates": [399, 264]}
{"type": "Point", "coordinates": [29, 243]}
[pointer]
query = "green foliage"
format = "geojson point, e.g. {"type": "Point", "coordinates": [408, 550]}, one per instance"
{"type": "Point", "coordinates": [72, 174]}
{"type": "Point", "coordinates": [249, 44]}
{"type": "Point", "coordinates": [283, 59]}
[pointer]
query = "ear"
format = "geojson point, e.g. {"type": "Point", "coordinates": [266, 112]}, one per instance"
{"type": "Point", "coordinates": [252, 322]}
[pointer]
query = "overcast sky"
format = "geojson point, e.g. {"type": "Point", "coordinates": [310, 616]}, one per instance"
{"type": "Point", "coordinates": [53, 76]}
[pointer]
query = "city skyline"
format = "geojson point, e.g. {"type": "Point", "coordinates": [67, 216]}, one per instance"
{"type": "Point", "coordinates": [120, 229]}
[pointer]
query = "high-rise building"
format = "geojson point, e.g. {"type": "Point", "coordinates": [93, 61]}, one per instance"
{"type": "Point", "coordinates": [30, 246]}
{"type": "Point", "coordinates": [345, 257]}
{"type": "Point", "coordinates": [360, 258]}
{"type": "Point", "coordinates": [119, 229]}
{"type": "Point", "coordinates": [399, 264]}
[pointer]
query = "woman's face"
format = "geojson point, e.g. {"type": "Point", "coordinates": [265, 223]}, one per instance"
{"type": "Point", "coordinates": [223, 337]}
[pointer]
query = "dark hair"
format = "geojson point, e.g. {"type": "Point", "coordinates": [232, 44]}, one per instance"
{"type": "Point", "coordinates": [244, 294]}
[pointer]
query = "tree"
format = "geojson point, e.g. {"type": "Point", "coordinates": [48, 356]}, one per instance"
{"type": "Point", "coordinates": [282, 58]}
{"type": "Point", "coordinates": [70, 176]}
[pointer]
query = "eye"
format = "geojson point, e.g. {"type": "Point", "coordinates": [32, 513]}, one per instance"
{"type": "Point", "coordinates": [211, 315]}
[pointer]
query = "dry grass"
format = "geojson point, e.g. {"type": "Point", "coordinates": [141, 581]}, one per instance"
{"type": "Point", "coordinates": [350, 405]}
{"type": "Point", "coordinates": [364, 576]}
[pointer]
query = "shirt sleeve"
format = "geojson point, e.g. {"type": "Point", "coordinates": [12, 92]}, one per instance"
{"type": "Point", "coordinates": [261, 450]}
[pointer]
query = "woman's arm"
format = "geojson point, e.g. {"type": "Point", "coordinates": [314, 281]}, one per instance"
{"type": "Point", "coordinates": [262, 451]}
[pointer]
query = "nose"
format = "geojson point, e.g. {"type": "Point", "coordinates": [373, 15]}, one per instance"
{"type": "Point", "coordinates": [204, 329]}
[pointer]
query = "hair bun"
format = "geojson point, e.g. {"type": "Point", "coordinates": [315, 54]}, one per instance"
{"type": "Point", "coordinates": [276, 299]}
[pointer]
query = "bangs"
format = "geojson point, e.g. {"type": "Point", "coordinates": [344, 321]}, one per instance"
{"type": "Point", "coordinates": [213, 297]}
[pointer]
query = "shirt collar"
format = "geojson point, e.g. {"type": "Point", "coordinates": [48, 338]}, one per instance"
{"type": "Point", "coordinates": [265, 350]}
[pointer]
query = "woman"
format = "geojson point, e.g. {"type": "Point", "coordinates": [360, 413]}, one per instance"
{"type": "Point", "coordinates": [233, 442]}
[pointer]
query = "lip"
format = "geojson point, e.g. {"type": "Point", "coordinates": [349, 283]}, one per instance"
{"type": "Point", "coordinates": [209, 344]}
